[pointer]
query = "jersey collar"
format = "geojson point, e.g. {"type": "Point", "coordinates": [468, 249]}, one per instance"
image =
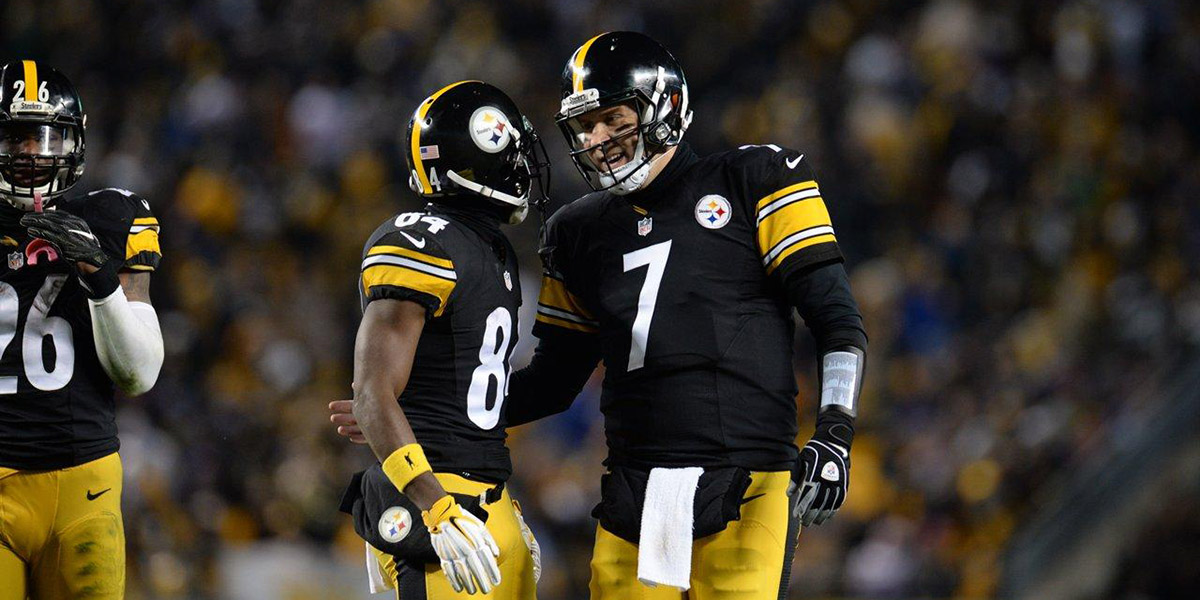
{"type": "Point", "coordinates": [684, 158]}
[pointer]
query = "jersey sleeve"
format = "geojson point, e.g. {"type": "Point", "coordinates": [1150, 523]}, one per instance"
{"type": "Point", "coordinates": [793, 227]}
{"type": "Point", "coordinates": [125, 226]}
{"type": "Point", "coordinates": [396, 267]}
{"type": "Point", "coordinates": [559, 310]}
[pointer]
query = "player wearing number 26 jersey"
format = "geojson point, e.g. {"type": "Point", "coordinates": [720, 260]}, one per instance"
{"type": "Point", "coordinates": [75, 324]}
{"type": "Point", "coordinates": [440, 292]}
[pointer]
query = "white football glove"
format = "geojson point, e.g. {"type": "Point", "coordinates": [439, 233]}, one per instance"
{"type": "Point", "coordinates": [465, 546]}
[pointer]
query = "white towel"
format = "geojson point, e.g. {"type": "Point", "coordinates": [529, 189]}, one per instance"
{"type": "Point", "coordinates": [665, 544]}
{"type": "Point", "coordinates": [375, 579]}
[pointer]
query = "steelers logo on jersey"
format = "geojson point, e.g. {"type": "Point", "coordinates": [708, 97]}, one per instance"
{"type": "Point", "coordinates": [490, 129]}
{"type": "Point", "coordinates": [713, 211]}
{"type": "Point", "coordinates": [395, 524]}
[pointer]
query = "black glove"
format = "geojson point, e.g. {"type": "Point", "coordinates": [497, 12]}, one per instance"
{"type": "Point", "coordinates": [825, 468]}
{"type": "Point", "coordinates": [74, 240]}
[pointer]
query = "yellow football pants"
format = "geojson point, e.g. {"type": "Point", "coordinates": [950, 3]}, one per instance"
{"type": "Point", "coordinates": [61, 534]}
{"type": "Point", "coordinates": [516, 562]}
{"type": "Point", "coordinates": [746, 561]}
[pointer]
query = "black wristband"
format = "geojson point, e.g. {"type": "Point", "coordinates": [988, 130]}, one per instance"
{"type": "Point", "coordinates": [103, 282]}
{"type": "Point", "coordinates": [836, 425]}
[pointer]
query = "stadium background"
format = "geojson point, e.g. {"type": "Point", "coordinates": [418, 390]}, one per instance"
{"type": "Point", "coordinates": [1015, 185]}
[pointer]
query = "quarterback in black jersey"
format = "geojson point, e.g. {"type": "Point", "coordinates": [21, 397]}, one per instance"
{"type": "Point", "coordinates": [75, 323]}
{"type": "Point", "coordinates": [440, 292]}
{"type": "Point", "coordinates": [681, 273]}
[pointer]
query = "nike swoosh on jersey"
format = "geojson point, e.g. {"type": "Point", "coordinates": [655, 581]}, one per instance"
{"type": "Point", "coordinates": [745, 500]}
{"type": "Point", "coordinates": [91, 496]}
{"type": "Point", "coordinates": [792, 162]}
{"type": "Point", "coordinates": [418, 242]}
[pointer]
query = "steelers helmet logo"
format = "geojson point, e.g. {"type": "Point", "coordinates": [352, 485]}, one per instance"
{"type": "Point", "coordinates": [490, 129]}
{"type": "Point", "coordinates": [713, 212]}
{"type": "Point", "coordinates": [395, 524]}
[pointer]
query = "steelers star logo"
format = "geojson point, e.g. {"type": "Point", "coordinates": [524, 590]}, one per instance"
{"type": "Point", "coordinates": [490, 129]}
{"type": "Point", "coordinates": [713, 212]}
{"type": "Point", "coordinates": [395, 524]}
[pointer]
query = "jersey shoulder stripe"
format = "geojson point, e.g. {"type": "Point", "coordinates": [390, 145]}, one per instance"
{"type": "Point", "coordinates": [407, 265]}
{"type": "Point", "coordinates": [559, 307]}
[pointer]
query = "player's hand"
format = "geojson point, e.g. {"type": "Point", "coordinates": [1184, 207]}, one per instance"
{"type": "Point", "coordinates": [69, 234]}
{"type": "Point", "coordinates": [531, 542]}
{"type": "Point", "coordinates": [825, 472]}
{"type": "Point", "coordinates": [342, 415]}
{"type": "Point", "coordinates": [465, 546]}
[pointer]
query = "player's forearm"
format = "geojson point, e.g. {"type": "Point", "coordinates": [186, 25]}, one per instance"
{"type": "Point", "coordinates": [559, 370]}
{"type": "Point", "coordinates": [128, 341]}
{"type": "Point", "coordinates": [823, 298]}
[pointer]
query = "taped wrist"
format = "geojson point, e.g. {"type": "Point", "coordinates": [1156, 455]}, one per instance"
{"type": "Point", "coordinates": [103, 282]}
{"type": "Point", "coordinates": [841, 379]}
{"type": "Point", "coordinates": [440, 511]}
{"type": "Point", "coordinates": [405, 464]}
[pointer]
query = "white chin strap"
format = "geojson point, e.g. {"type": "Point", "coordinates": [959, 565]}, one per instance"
{"type": "Point", "coordinates": [631, 176]}
{"type": "Point", "coordinates": [520, 205]}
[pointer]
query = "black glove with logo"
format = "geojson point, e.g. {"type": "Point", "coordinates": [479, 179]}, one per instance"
{"type": "Point", "coordinates": [74, 240]}
{"type": "Point", "coordinates": [825, 468]}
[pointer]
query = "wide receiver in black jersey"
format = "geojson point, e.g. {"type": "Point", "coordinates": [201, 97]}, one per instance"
{"type": "Point", "coordinates": [440, 291]}
{"type": "Point", "coordinates": [681, 273]}
{"type": "Point", "coordinates": [75, 319]}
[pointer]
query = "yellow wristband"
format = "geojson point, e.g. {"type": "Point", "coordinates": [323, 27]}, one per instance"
{"type": "Point", "coordinates": [405, 464]}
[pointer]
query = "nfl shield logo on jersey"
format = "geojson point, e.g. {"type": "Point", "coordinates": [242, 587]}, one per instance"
{"type": "Point", "coordinates": [713, 212]}
{"type": "Point", "coordinates": [644, 226]}
{"type": "Point", "coordinates": [16, 260]}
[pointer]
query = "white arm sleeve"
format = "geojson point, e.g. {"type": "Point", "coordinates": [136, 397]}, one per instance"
{"type": "Point", "coordinates": [128, 341]}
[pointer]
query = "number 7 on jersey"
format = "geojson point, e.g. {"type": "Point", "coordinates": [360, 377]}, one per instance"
{"type": "Point", "coordinates": [654, 258]}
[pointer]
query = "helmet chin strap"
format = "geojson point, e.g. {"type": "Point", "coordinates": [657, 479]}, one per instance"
{"type": "Point", "coordinates": [631, 177]}
{"type": "Point", "coordinates": [520, 205]}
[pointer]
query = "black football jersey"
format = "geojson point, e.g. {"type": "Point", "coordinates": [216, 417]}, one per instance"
{"type": "Point", "coordinates": [681, 284]}
{"type": "Point", "coordinates": [466, 277]}
{"type": "Point", "coordinates": [56, 401]}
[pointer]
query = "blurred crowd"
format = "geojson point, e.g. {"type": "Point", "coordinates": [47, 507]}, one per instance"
{"type": "Point", "coordinates": [1014, 185]}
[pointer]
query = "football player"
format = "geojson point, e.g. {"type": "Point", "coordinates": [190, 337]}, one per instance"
{"type": "Point", "coordinates": [681, 272]}
{"type": "Point", "coordinates": [440, 292]}
{"type": "Point", "coordinates": [75, 323]}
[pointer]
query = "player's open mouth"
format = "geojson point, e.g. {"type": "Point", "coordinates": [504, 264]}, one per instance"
{"type": "Point", "coordinates": [615, 159]}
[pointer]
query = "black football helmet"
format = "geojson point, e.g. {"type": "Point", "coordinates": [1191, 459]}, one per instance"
{"type": "Point", "coordinates": [41, 134]}
{"type": "Point", "coordinates": [624, 67]}
{"type": "Point", "coordinates": [469, 137]}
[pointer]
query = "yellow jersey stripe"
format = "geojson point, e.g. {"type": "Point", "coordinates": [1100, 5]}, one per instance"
{"type": "Point", "coordinates": [31, 81]}
{"type": "Point", "coordinates": [787, 221]}
{"type": "Point", "coordinates": [565, 324]}
{"type": "Point", "coordinates": [413, 254]}
{"type": "Point", "coordinates": [550, 311]}
{"type": "Point", "coordinates": [798, 246]}
{"type": "Point", "coordinates": [145, 221]}
{"type": "Point", "coordinates": [397, 276]}
{"type": "Point", "coordinates": [418, 124]}
{"type": "Point", "coordinates": [555, 295]}
{"type": "Point", "coordinates": [577, 64]}
{"type": "Point", "coordinates": [143, 241]}
{"type": "Point", "coordinates": [139, 267]}
{"type": "Point", "coordinates": [803, 185]}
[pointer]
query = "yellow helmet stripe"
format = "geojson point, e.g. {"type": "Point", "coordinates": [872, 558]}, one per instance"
{"type": "Point", "coordinates": [418, 121]}
{"type": "Point", "coordinates": [31, 81]}
{"type": "Point", "coordinates": [577, 64]}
